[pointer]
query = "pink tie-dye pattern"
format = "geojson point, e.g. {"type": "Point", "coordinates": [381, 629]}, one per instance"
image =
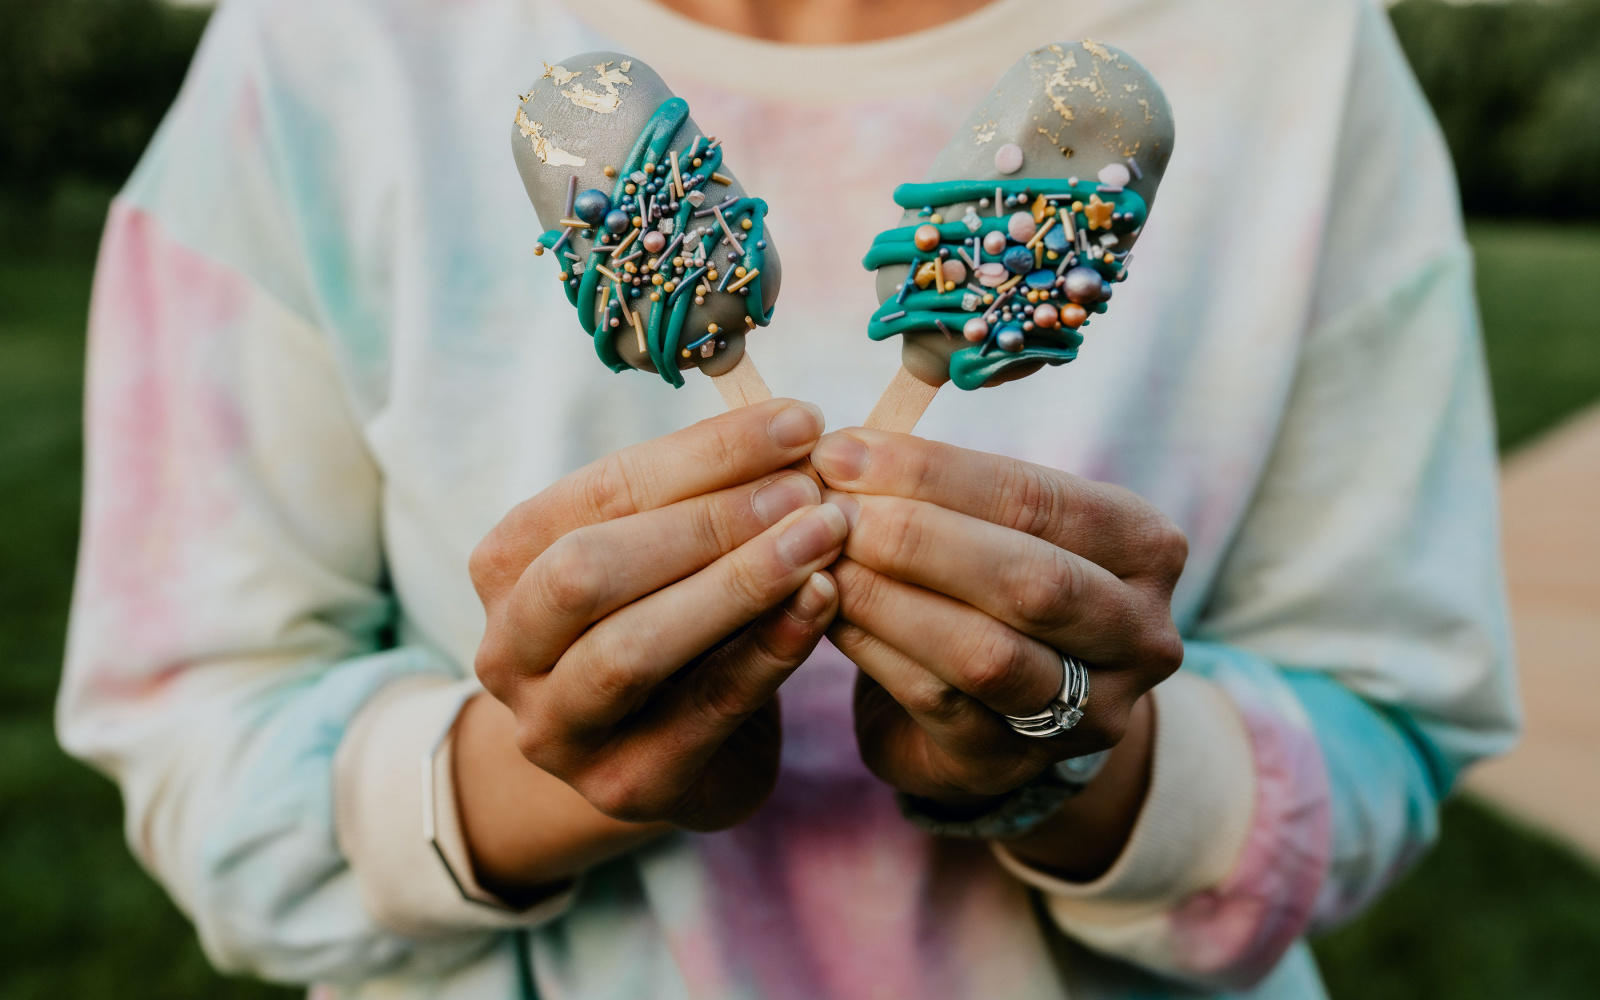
{"type": "Point", "coordinates": [939, 913]}
{"type": "Point", "coordinates": [153, 396]}
{"type": "Point", "coordinates": [1238, 931]}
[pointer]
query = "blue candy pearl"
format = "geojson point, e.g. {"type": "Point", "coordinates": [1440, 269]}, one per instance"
{"type": "Point", "coordinates": [1018, 260]}
{"type": "Point", "coordinates": [1041, 279]}
{"type": "Point", "coordinates": [618, 222]}
{"type": "Point", "coordinates": [591, 206]}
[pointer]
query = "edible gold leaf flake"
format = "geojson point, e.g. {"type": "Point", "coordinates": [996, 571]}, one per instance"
{"type": "Point", "coordinates": [1097, 50]}
{"type": "Point", "coordinates": [547, 151]}
{"type": "Point", "coordinates": [560, 74]}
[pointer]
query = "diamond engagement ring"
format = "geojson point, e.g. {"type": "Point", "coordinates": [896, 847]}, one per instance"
{"type": "Point", "coordinates": [1064, 711]}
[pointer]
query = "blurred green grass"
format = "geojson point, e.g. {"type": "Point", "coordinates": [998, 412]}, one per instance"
{"type": "Point", "coordinates": [1495, 911]}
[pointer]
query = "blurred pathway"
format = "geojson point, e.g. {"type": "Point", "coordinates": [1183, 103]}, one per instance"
{"type": "Point", "coordinates": [1551, 506]}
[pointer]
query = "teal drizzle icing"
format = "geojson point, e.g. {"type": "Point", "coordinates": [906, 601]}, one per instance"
{"type": "Point", "coordinates": [665, 318]}
{"type": "Point", "coordinates": [926, 310]}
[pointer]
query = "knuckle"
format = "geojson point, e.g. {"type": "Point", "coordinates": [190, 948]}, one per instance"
{"type": "Point", "coordinates": [1166, 544]}
{"type": "Point", "coordinates": [493, 663]}
{"type": "Point", "coordinates": [620, 793]}
{"type": "Point", "coordinates": [1046, 587]}
{"type": "Point", "coordinates": [535, 740]}
{"type": "Point", "coordinates": [486, 567]}
{"type": "Point", "coordinates": [1036, 499]}
{"type": "Point", "coordinates": [571, 580]}
{"type": "Point", "coordinates": [721, 701]}
{"type": "Point", "coordinates": [900, 533]}
{"type": "Point", "coordinates": [607, 491]}
{"type": "Point", "coordinates": [713, 524]}
{"type": "Point", "coordinates": [722, 448]}
{"type": "Point", "coordinates": [994, 671]}
{"type": "Point", "coordinates": [932, 698]}
{"type": "Point", "coordinates": [613, 676]}
{"type": "Point", "coordinates": [861, 590]}
{"type": "Point", "coordinates": [747, 585]}
{"type": "Point", "coordinates": [1111, 727]}
{"type": "Point", "coordinates": [1161, 651]}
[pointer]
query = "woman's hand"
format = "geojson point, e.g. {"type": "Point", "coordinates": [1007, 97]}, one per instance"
{"type": "Point", "coordinates": [642, 613]}
{"type": "Point", "coordinates": [963, 575]}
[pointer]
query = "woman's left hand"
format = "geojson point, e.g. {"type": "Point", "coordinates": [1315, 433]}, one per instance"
{"type": "Point", "coordinates": [963, 575]}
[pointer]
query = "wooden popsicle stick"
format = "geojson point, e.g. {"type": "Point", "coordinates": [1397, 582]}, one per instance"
{"type": "Point", "coordinates": [902, 404]}
{"type": "Point", "coordinates": [743, 385]}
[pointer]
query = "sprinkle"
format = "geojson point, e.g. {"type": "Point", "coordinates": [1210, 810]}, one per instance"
{"type": "Point", "coordinates": [713, 209]}
{"type": "Point", "coordinates": [720, 179]}
{"type": "Point", "coordinates": [999, 204]}
{"type": "Point", "coordinates": [972, 265]}
{"type": "Point", "coordinates": [944, 329]}
{"type": "Point", "coordinates": [638, 331]}
{"type": "Point", "coordinates": [749, 277]}
{"type": "Point", "coordinates": [1133, 165]}
{"type": "Point", "coordinates": [666, 254]}
{"type": "Point", "coordinates": [677, 178]}
{"type": "Point", "coordinates": [565, 233]}
{"type": "Point", "coordinates": [608, 273]}
{"type": "Point", "coordinates": [693, 146]}
{"type": "Point", "coordinates": [1039, 236]}
{"type": "Point", "coordinates": [732, 239]}
{"type": "Point", "coordinates": [891, 317]}
{"type": "Point", "coordinates": [572, 194]}
{"type": "Point", "coordinates": [575, 224]}
{"type": "Point", "coordinates": [905, 287]}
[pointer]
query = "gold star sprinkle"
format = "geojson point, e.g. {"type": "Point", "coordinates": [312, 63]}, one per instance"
{"type": "Point", "coordinates": [1098, 212]}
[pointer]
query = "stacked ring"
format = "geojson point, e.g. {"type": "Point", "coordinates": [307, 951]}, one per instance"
{"type": "Point", "coordinates": [1064, 711]}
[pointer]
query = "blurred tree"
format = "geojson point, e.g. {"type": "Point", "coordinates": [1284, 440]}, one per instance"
{"type": "Point", "coordinates": [85, 84]}
{"type": "Point", "coordinates": [1516, 87]}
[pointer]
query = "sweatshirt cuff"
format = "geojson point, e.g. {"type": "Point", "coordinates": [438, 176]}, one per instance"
{"type": "Point", "coordinates": [1192, 826]}
{"type": "Point", "coordinates": [405, 846]}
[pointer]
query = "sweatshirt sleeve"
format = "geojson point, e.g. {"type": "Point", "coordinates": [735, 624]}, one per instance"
{"type": "Point", "coordinates": [234, 660]}
{"type": "Point", "coordinates": [1354, 655]}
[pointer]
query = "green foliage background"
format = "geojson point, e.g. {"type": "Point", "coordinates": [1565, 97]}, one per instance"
{"type": "Point", "coordinates": [1495, 911]}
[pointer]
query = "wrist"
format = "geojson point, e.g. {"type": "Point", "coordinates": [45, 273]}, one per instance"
{"type": "Point", "coordinates": [1082, 838]}
{"type": "Point", "coordinates": [527, 832]}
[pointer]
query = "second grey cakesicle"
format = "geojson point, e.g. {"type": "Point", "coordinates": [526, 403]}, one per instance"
{"type": "Point", "coordinates": [1025, 220]}
{"type": "Point", "coordinates": [664, 255]}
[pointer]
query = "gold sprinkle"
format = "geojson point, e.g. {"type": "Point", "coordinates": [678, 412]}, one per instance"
{"type": "Point", "coordinates": [744, 280]}
{"type": "Point", "coordinates": [721, 179]}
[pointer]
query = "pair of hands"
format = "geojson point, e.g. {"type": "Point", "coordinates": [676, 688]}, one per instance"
{"type": "Point", "coordinates": [643, 612]}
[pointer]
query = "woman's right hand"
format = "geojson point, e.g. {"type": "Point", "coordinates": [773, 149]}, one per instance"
{"type": "Point", "coordinates": [642, 613]}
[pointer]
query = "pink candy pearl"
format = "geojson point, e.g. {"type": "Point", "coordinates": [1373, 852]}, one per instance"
{"type": "Point", "coordinates": [976, 330]}
{"type": "Point", "coordinates": [653, 241]}
{"type": "Point", "coordinates": [1021, 226]}
{"type": "Point", "coordinates": [994, 242]}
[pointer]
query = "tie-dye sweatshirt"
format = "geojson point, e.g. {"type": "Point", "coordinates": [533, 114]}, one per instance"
{"type": "Point", "coordinates": [324, 362]}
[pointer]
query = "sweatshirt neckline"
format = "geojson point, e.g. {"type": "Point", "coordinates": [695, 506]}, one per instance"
{"type": "Point", "coordinates": [965, 49]}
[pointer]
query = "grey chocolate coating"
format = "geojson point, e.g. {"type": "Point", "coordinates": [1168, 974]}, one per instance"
{"type": "Point", "coordinates": [585, 114]}
{"type": "Point", "coordinates": [1072, 108]}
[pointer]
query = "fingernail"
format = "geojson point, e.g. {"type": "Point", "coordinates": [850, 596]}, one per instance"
{"type": "Point", "coordinates": [795, 425]}
{"type": "Point", "coordinates": [847, 504]}
{"type": "Point", "coordinates": [840, 457]}
{"type": "Point", "coordinates": [814, 597]}
{"type": "Point", "coordinates": [813, 535]}
{"type": "Point", "coordinates": [781, 497]}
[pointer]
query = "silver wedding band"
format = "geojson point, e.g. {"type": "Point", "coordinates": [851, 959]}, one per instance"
{"type": "Point", "coordinates": [1064, 711]}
